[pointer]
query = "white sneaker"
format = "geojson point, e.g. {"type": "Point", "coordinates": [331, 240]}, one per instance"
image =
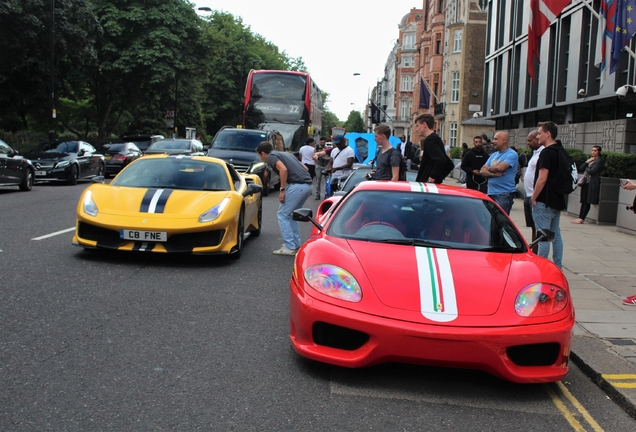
{"type": "Point", "coordinates": [284, 251]}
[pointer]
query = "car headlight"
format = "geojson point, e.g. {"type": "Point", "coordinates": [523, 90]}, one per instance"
{"type": "Point", "coordinates": [540, 299]}
{"type": "Point", "coordinates": [214, 212]}
{"type": "Point", "coordinates": [333, 281]}
{"type": "Point", "coordinates": [258, 166]}
{"type": "Point", "coordinates": [62, 164]}
{"type": "Point", "coordinates": [90, 207]}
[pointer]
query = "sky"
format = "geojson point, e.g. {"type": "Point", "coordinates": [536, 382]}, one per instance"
{"type": "Point", "coordinates": [336, 39]}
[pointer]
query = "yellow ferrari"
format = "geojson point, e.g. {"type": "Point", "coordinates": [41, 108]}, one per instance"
{"type": "Point", "coordinates": [172, 204]}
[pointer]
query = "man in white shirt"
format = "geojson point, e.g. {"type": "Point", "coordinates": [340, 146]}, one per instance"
{"type": "Point", "coordinates": [342, 158]}
{"type": "Point", "coordinates": [528, 181]}
{"type": "Point", "coordinates": [307, 156]}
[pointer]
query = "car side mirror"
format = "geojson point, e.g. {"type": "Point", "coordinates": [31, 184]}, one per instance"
{"type": "Point", "coordinates": [15, 153]}
{"type": "Point", "coordinates": [81, 152]}
{"type": "Point", "coordinates": [305, 215]}
{"type": "Point", "coordinates": [543, 235]}
{"type": "Point", "coordinates": [252, 189]}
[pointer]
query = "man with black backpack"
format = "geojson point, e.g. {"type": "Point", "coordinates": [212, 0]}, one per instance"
{"type": "Point", "coordinates": [388, 159]}
{"type": "Point", "coordinates": [548, 195]}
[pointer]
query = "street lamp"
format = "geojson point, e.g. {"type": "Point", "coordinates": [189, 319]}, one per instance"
{"type": "Point", "coordinates": [52, 72]}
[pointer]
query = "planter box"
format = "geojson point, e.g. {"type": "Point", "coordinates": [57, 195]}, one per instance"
{"type": "Point", "coordinates": [605, 212]}
{"type": "Point", "coordinates": [625, 219]}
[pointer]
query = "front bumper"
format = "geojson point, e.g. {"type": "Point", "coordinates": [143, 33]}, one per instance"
{"type": "Point", "coordinates": [368, 339]}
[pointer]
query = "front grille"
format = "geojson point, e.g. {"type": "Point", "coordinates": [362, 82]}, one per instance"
{"type": "Point", "coordinates": [544, 354]}
{"type": "Point", "coordinates": [338, 337]}
{"type": "Point", "coordinates": [240, 167]}
{"type": "Point", "coordinates": [110, 239]}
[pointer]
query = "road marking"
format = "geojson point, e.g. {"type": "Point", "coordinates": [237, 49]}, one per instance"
{"type": "Point", "coordinates": [586, 415]}
{"type": "Point", "coordinates": [618, 380]}
{"type": "Point", "coordinates": [54, 234]}
{"type": "Point", "coordinates": [567, 414]}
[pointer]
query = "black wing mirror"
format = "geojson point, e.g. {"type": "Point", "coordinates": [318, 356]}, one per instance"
{"type": "Point", "coordinates": [252, 189]}
{"type": "Point", "coordinates": [305, 215]}
{"type": "Point", "coordinates": [543, 235]}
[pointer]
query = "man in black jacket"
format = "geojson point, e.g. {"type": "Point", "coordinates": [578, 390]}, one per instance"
{"type": "Point", "coordinates": [472, 162]}
{"type": "Point", "coordinates": [435, 165]}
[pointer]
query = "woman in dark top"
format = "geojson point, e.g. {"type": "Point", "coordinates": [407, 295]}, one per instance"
{"type": "Point", "coordinates": [592, 187]}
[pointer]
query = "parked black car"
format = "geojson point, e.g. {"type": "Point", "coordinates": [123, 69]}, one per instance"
{"type": "Point", "coordinates": [15, 170]}
{"type": "Point", "coordinates": [177, 146]}
{"type": "Point", "coordinates": [142, 141]}
{"type": "Point", "coordinates": [238, 147]}
{"type": "Point", "coordinates": [66, 161]}
{"type": "Point", "coordinates": [118, 155]}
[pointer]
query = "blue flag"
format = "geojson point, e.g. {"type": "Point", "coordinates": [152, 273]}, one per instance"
{"type": "Point", "coordinates": [425, 95]}
{"type": "Point", "coordinates": [624, 29]}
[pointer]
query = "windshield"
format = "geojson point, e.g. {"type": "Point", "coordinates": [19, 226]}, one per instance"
{"type": "Point", "coordinates": [174, 173]}
{"type": "Point", "coordinates": [112, 148]}
{"type": "Point", "coordinates": [171, 145]}
{"type": "Point", "coordinates": [63, 147]}
{"type": "Point", "coordinates": [238, 140]}
{"type": "Point", "coordinates": [278, 86]}
{"type": "Point", "coordinates": [421, 219]}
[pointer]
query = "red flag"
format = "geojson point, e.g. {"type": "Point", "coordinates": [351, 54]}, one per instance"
{"type": "Point", "coordinates": [542, 14]}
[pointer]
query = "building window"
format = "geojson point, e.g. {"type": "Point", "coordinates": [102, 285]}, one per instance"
{"type": "Point", "coordinates": [407, 83]}
{"type": "Point", "coordinates": [453, 134]}
{"type": "Point", "coordinates": [407, 61]}
{"type": "Point", "coordinates": [455, 87]}
{"type": "Point", "coordinates": [440, 6]}
{"type": "Point", "coordinates": [457, 41]}
{"type": "Point", "coordinates": [409, 41]}
{"type": "Point", "coordinates": [405, 110]}
{"type": "Point", "coordinates": [425, 55]}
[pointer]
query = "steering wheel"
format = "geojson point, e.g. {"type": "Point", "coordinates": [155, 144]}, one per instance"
{"type": "Point", "coordinates": [379, 223]}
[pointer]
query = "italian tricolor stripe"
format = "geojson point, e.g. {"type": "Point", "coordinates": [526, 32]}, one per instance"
{"type": "Point", "coordinates": [437, 289]}
{"type": "Point", "coordinates": [424, 187]}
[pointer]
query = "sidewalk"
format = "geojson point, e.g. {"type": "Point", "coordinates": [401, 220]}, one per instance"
{"type": "Point", "coordinates": [600, 265]}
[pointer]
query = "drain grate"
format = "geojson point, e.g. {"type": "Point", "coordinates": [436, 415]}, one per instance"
{"type": "Point", "coordinates": [622, 341]}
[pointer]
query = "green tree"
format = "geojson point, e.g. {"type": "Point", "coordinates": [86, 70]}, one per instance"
{"type": "Point", "coordinates": [354, 122]}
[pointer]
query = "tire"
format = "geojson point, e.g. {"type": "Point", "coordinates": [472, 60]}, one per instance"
{"type": "Point", "coordinates": [72, 175]}
{"type": "Point", "coordinates": [238, 249]}
{"type": "Point", "coordinates": [257, 232]}
{"type": "Point", "coordinates": [27, 181]}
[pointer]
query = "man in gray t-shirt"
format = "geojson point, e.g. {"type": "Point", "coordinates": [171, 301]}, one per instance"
{"type": "Point", "coordinates": [295, 188]}
{"type": "Point", "coordinates": [387, 159]}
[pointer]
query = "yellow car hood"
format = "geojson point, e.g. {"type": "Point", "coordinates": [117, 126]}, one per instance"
{"type": "Point", "coordinates": [126, 201]}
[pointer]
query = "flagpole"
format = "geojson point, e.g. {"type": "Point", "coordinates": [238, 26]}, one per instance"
{"type": "Point", "coordinates": [429, 88]}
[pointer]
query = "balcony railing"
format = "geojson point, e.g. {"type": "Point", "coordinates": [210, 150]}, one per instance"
{"type": "Point", "coordinates": [440, 108]}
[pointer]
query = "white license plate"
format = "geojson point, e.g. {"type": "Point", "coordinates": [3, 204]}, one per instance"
{"type": "Point", "coordinates": [40, 173]}
{"type": "Point", "coordinates": [151, 236]}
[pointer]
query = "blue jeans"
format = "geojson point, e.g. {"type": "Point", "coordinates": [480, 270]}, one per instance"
{"type": "Point", "coordinates": [546, 217]}
{"type": "Point", "coordinates": [504, 200]}
{"type": "Point", "coordinates": [295, 197]}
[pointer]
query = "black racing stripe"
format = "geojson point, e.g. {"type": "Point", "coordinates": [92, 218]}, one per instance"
{"type": "Point", "coordinates": [145, 202]}
{"type": "Point", "coordinates": [163, 199]}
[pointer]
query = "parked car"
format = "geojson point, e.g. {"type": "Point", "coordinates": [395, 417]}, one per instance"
{"type": "Point", "coordinates": [172, 204]}
{"type": "Point", "coordinates": [238, 147]}
{"type": "Point", "coordinates": [427, 274]}
{"type": "Point", "coordinates": [359, 174]}
{"type": "Point", "coordinates": [118, 155]}
{"type": "Point", "coordinates": [15, 170]}
{"type": "Point", "coordinates": [66, 161]}
{"type": "Point", "coordinates": [176, 146]}
{"type": "Point", "coordinates": [142, 141]}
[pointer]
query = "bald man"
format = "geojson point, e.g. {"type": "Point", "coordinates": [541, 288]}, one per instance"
{"type": "Point", "coordinates": [500, 170]}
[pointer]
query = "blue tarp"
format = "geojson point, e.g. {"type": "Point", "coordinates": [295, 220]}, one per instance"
{"type": "Point", "coordinates": [364, 145]}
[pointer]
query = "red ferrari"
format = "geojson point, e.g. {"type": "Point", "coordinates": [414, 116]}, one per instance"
{"type": "Point", "coordinates": [435, 275]}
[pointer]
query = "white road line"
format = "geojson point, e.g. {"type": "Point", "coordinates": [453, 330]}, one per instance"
{"type": "Point", "coordinates": [54, 234]}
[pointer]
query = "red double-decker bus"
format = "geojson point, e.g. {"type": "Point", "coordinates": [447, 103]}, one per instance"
{"type": "Point", "coordinates": [284, 101]}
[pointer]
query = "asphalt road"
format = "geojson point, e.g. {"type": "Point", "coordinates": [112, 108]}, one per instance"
{"type": "Point", "coordinates": [94, 341]}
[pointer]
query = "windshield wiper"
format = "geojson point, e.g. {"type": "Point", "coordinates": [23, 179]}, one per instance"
{"type": "Point", "coordinates": [412, 242]}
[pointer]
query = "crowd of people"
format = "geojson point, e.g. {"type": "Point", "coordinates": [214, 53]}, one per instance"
{"type": "Point", "coordinates": [491, 167]}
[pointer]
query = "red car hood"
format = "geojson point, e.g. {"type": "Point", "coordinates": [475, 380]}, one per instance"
{"type": "Point", "coordinates": [435, 281]}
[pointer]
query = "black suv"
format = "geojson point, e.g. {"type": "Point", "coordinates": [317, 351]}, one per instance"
{"type": "Point", "coordinates": [14, 169]}
{"type": "Point", "coordinates": [238, 147]}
